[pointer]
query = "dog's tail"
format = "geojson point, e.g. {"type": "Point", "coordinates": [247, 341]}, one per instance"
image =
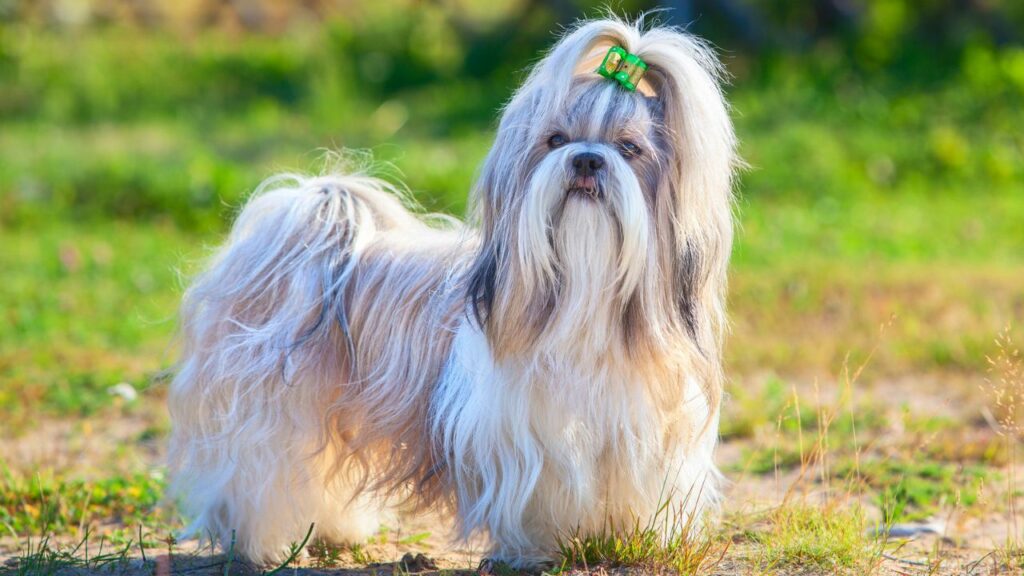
{"type": "Point", "coordinates": [265, 348]}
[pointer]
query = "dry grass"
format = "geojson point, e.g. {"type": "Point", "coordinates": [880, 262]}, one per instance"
{"type": "Point", "coordinates": [1004, 389]}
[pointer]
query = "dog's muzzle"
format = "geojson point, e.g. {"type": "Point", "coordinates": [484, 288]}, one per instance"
{"type": "Point", "coordinates": [587, 167]}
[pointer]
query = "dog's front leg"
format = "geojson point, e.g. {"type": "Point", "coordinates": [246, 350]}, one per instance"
{"type": "Point", "coordinates": [480, 417]}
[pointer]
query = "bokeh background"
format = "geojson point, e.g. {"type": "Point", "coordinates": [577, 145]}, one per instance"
{"type": "Point", "coordinates": [882, 214]}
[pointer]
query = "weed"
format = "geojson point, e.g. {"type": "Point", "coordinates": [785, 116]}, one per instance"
{"type": "Point", "coordinates": [361, 555]}
{"type": "Point", "coordinates": [415, 538]}
{"type": "Point", "coordinates": [914, 489]}
{"type": "Point", "coordinates": [750, 414]}
{"type": "Point", "coordinates": [828, 537]}
{"type": "Point", "coordinates": [47, 503]}
{"type": "Point", "coordinates": [324, 554]}
{"type": "Point", "coordinates": [679, 546]}
{"type": "Point", "coordinates": [294, 550]}
{"type": "Point", "coordinates": [42, 558]}
{"type": "Point", "coordinates": [1005, 391]}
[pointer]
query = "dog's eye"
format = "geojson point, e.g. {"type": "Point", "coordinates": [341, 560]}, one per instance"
{"type": "Point", "coordinates": [557, 140]}
{"type": "Point", "coordinates": [629, 149]}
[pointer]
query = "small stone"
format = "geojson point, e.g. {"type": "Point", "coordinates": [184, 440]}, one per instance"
{"type": "Point", "coordinates": [417, 563]}
{"type": "Point", "coordinates": [123, 390]}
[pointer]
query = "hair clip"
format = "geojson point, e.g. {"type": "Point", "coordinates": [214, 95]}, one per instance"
{"type": "Point", "coordinates": [625, 68]}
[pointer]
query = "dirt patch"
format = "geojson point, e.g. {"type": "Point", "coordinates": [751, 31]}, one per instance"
{"type": "Point", "coordinates": [963, 544]}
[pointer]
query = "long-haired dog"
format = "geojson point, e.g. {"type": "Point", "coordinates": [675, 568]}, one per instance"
{"type": "Point", "coordinates": [556, 366]}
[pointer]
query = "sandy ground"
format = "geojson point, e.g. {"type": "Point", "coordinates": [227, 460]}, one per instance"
{"type": "Point", "coordinates": [964, 541]}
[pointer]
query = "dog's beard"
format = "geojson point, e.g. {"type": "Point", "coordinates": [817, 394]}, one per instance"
{"type": "Point", "coordinates": [582, 255]}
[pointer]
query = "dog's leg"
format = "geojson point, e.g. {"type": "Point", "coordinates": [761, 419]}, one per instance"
{"type": "Point", "coordinates": [265, 352]}
{"type": "Point", "coordinates": [345, 512]}
{"type": "Point", "coordinates": [481, 420]}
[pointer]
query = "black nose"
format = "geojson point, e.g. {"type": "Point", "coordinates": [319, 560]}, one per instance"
{"type": "Point", "coordinates": [587, 163]}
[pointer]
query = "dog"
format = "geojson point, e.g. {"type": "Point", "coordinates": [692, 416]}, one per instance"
{"type": "Point", "coordinates": [553, 366]}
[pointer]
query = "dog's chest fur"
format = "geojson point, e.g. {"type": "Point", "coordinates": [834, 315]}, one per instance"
{"type": "Point", "coordinates": [555, 438]}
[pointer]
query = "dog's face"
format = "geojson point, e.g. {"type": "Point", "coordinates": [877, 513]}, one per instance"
{"type": "Point", "coordinates": [605, 210]}
{"type": "Point", "coordinates": [586, 216]}
{"type": "Point", "coordinates": [603, 136]}
{"type": "Point", "coordinates": [600, 160]}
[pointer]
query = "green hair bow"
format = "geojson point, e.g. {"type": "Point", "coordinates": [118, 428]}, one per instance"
{"type": "Point", "coordinates": [625, 68]}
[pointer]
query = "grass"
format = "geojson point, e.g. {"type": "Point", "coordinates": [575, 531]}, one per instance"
{"type": "Point", "coordinates": [52, 503]}
{"type": "Point", "coordinates": [911, 489]}
{"type": "Point", "coordinates": [86, 307]}
{"type": "Point", "coordinates": [325, 554]}
{"type": "Point", "coordinates": [1004, 390]}
{"type": "Point", "coordinates": [848, 446]}
{"type": "Point", "coordinates": [107, 315]}
{"type": "Point", "coordinates": [44, 558]}
{"type": "Point", "coordinates": [829, 537]}
{"type": "Point", "coordinates": [670, 541]}
{"type": "Point", "coordinates": [40, 558]}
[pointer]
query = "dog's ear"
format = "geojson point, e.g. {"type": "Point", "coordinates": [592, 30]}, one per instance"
{"type": "Point", "coordinates": [482, 282]}
{"type": "Point", "coordinates": [685, 77]}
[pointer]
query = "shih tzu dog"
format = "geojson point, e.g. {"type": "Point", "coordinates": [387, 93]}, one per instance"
{"type": "Point", "coordinates": [552, 368]}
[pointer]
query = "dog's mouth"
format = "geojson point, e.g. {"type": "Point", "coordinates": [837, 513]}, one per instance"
{"type": "Point", "coordinates": [584, 187]}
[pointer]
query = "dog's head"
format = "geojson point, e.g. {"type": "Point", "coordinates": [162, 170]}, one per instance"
{"type": "Point", "coordinates": [600, 205]}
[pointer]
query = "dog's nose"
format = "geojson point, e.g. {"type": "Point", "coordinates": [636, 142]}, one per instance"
{"type": "Point", "coordinates": [587, 163]}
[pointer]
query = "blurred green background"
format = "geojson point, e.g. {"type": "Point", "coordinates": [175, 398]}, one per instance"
{"type": "Point", "coordinates": [885, 140]}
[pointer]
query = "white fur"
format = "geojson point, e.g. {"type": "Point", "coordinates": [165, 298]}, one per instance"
{"type": "Point", "coordinates": [557, 366]}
